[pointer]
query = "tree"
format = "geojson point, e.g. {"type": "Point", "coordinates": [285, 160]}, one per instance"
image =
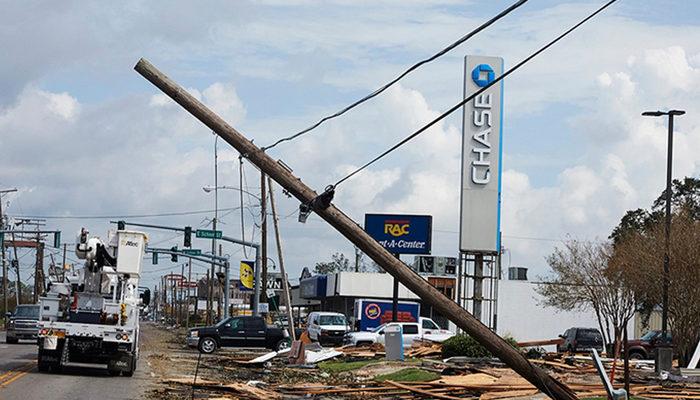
{"type": "Point", "coordinates": [338, 263]}
{"type": "Point", "coordinates": [639, 258]}
{"type": "Point", "coordinates": [582, 279]}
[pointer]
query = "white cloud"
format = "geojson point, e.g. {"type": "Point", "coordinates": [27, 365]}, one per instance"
{"type": "Point", "coordinates": [122, 148]}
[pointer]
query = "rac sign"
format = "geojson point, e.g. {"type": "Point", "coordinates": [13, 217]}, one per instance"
{"type": "Point", "coordinates": [401, 234]}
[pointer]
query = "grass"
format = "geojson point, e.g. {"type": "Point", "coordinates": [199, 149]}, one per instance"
{"type": "Point", "coordinates": [343, 366]}
{"type": "Point", "coordinates": [409, 375]}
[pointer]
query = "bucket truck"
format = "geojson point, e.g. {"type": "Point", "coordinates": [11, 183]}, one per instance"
{"type": "Point", "coordinates": [90, 315]}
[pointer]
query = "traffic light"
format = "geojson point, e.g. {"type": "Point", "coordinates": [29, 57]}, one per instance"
{"type": "Point", "coordinates": [155, 259]}
{"type": "Point", "coordinates": [188, 236]}
{"type": "Point", "coordinates": [173, 257]}
{"type": "Point", "coordinates": [57, 239]}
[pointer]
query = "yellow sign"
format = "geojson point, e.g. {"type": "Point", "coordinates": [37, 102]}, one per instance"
{"type": "Point", "coordinates": [247, 274]}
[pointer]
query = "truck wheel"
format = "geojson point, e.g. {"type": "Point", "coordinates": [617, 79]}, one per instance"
{"type": "Point", "coordinates": [113, 372]}
{"type": "Point", "coordinates": [283, 344]}
{"type": "Point", "coordinates": [10, 340]}
{"type": "Point", "coordinates": [207, 345]}
{"type": "Point", "coordinates": [43, 366]}
{"type": "Point", "coordinates": [131, 371]}
{"type": "Point", "coordinates": [636, 355]}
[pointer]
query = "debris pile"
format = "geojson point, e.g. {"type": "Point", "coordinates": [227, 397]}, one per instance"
{"type": "Point", "coordinates": [308, 370]}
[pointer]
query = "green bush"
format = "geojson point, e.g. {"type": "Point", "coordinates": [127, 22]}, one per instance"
{"type": "Point", "coordinates": [466, 346]}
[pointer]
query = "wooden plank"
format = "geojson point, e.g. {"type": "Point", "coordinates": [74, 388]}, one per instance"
{"type": "Point", "coordinates": [546, 342]}
{"type": "Point", "coordinates": [421, 391]}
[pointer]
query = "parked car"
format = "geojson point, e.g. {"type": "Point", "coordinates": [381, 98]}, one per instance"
{"type": "Point", "coordinates": [327, 327]}
{"type": "Point", "coordinates": [580, 339]}
{"type": "Point", "coordinates": [238, 332]}
{"type": "Point", "coordinates": [424, 329]}
{"type": "Point", "coordinates": [23, 323]}
{"type": "Point", "coordinates": [645, 347]}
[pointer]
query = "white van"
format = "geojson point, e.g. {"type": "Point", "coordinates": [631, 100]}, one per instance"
{"type": "Point", "coordinates": [327, 327]}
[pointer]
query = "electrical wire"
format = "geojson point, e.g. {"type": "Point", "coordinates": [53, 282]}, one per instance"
{"type": "Point", "coordinates": [403, 74]}
{"type": "Point", "coordinates": [477, 93]}
{"type": "Point", "coordinates": [167, 214]}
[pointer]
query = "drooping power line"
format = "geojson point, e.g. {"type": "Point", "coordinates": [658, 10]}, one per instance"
{"type": "Point", "coordinates": [471, 97]}
{"type": "Point", "coordinates": [403, 74]}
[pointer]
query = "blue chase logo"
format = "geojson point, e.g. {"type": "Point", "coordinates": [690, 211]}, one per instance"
{"type": "Point", "coordinates": [483, 74]}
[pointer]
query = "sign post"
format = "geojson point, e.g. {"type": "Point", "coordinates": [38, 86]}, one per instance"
{"type": "Point", "coordinates": [480, 205]}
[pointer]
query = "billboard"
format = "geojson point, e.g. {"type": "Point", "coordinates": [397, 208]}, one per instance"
{"type": "Point", "coordinates": [435, 265]}
{"type": "Point", "coordinates": [401, 234]}
{"type": "Point", "coordinates": [480, 205]}
{"type": "Point", "coordinates": [369, 314]}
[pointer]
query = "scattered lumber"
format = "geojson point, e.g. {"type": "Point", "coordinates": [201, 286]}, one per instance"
{"type": "Point", "coordinates": [241, 389]}
{"type": "Point", "coordinates": [428, 393]}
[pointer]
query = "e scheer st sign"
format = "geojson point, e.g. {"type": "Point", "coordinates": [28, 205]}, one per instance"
{"type": "Point", "coordinates": [481, 157]}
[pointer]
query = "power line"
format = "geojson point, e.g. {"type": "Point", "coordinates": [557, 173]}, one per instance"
{"type": "Point", "coordinates": [167, 214]}
{"type": "Point", "coordinates": [461, 103]}
{"type": "Point", "coordinates": [403, 74]}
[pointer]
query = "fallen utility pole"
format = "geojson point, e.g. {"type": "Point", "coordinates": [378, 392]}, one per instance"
{"type": "Point", "coordinates": [351, 230]}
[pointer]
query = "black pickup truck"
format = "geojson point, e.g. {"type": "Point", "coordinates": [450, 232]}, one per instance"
{"type": "Point", "coordinates": [238, 332]}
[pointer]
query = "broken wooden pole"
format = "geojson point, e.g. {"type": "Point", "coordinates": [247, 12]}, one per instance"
{"type": "Point", "coordinates": [352, 231]}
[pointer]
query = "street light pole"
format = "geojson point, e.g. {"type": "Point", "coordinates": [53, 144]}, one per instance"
{"type": "Point", "coordinates": [210, 310]}
{"type": "Point", "coordinates": [665, 355]}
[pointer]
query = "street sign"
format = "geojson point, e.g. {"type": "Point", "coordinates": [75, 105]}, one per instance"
{"type": "Point", "coordinates": [263, 308]}
{"type": "Point", "coordinates": [192, 252]}
{"type": "Point", "coordinates": [401, 234]}
{"type": "Point", "coordinates": [208, 234]}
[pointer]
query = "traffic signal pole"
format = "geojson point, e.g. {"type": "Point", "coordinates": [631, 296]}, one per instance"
{"type": "Point", "coordinates": [186, 230]}
{"type": "Point", "coordinates": [352, 231]}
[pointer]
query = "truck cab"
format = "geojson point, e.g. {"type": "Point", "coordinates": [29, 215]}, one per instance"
{"type": "Point", "coordinates": [22, 323]}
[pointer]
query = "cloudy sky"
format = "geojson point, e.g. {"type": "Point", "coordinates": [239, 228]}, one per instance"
{"type": "Point", "coordinates": [83, 137]}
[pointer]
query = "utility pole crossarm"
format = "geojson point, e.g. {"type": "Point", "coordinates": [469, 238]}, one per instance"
{"type": "Point", "coordinates": [351, 230]}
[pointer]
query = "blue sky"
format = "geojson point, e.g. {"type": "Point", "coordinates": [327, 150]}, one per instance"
{"type": "Point", "coordinates": [83, 134]}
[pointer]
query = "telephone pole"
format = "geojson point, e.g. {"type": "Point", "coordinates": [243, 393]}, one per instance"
{"type": "Point", "coordinates": [285, 282]}
{"type": "Point", "coordinates": [2, 249]}
{"type": "Point", "coordinates": [352, 231]}
{"type": "Point", "coordinates": [263, 237]}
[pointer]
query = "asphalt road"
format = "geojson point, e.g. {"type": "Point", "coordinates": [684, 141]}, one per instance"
{"type": "Point", "coordinates": [20, 379]}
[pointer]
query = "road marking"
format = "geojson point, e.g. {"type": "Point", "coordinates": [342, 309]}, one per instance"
{"type": "Point", "coordinates": [15, 374]}
{"type": "Point", "coordinates": [14, 378]}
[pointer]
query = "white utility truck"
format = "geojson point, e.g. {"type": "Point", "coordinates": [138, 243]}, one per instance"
{"type": "Point", "coordinates": [90, 315]}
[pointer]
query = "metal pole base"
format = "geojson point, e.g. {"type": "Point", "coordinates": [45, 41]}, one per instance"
{"type": "Point", "coordinates": [664, 359]}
